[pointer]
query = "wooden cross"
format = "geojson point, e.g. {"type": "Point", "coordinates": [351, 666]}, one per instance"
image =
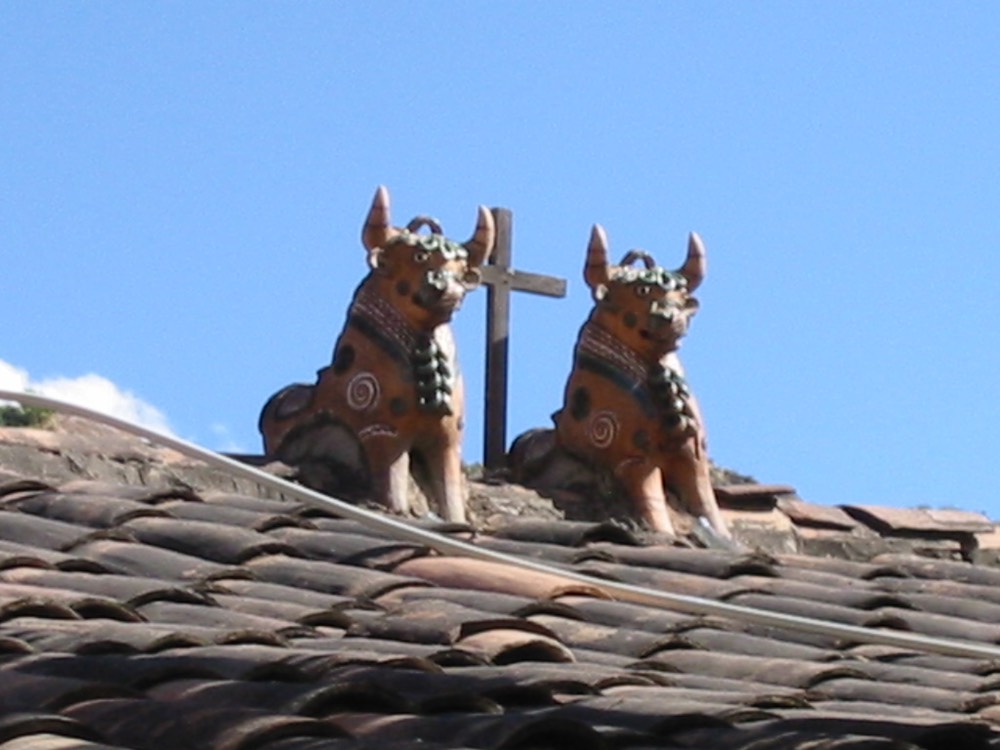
{"type": "Point", "coordinates": [501, 279]}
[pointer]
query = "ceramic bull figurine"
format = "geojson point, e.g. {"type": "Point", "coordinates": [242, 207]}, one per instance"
{"type": "Point", "coordinates": [393, 391]}
{"type": "Point", "coordinates": [628, 408]}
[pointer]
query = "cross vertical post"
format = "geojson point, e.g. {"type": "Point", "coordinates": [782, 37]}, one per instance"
{"type": "Point", "coordinates": [501, 279]}
{"type": "Point", "coordinates": [497, 340]}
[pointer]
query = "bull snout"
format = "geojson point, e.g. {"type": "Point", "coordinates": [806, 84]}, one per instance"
{"type": "Point", "coordinates": [666, 313]}
{"type": "Point", "coordinates": [440, 289]}
{"type": "Point", "coordinates": [667, 321]}
{"type": "Point", "coordinates": [438, 279]}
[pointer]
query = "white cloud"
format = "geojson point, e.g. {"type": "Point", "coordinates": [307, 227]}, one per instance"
{"type": "Point", "coordinates": [90, 391]}
{"type": "Point", "coordinates": [12, 378]}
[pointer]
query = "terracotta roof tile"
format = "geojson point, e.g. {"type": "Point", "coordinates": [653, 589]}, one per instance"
{"type": "Point", "coordinates": [230, 515]}
{"type": "Point", "coordinates": [38, 531]}
{"type": "Point", "coordinates": [351, 549]}
{"type": "Point", "coordinates": [920, 520]}
{"type": "Point", "coordinates": [811, 514]}
{"type": "Point", "coordinates": [276, 592]}
{"type": "Point", "coordinates": [147, 561]}
{"type": "Point", "coordinates": [454, 572]}
{"type": "Point", "coordinates": [158, 617]}
{"type": "Point", "coordinates": [329, 578]}
{"type": "Point", "coordinates": [946, 570]}
{"type": "Point", "coordinates": [95, 511]}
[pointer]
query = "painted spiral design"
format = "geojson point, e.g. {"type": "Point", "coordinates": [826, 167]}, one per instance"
{"type": "Point", "coordinates": [363, 391]}
{"type": "Point", "coordinates": [603, 429]}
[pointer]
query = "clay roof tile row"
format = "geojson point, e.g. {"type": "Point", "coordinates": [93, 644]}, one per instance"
{"type": "Point", "coordinates": [162, 617]}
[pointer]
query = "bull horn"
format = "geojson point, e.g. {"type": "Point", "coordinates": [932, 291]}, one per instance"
{"type": "Point", "coordinates": [596, 272]}
{"type": "Point", "coordinates": [481, 244]}
{"type": "Point", "coordinates": [694, 267]}
{"type": "Point", "coordinates": [377, 230]}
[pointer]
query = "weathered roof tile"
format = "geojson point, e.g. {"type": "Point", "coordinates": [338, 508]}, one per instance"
{"type": "Point", "coordinates": [919, 520]}
{"type": "Point", "coordinates": [266, 624]}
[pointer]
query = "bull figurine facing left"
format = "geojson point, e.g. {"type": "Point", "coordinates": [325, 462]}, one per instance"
{"type": "Point", "coordinates": [392, 399]}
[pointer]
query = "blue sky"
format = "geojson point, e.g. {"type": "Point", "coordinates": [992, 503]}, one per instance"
{"type": "Point", "coordinates": [182, 187]}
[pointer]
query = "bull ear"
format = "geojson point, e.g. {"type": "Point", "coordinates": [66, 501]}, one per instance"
{"type": "Point", "coordinates": [377, 230]}
{"type": "Point", "coordinates": [695, 266]}
{"type": "Point", "coordinates": [481, 244]}
{"type": "Point", "coordinates": [596, 271]}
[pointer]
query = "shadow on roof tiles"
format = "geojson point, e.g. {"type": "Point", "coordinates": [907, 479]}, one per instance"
{"type": "Point", "coordinates": [290, 612]}
{"type": "Point", "coordinates": [209, 541]}
{"type": "Point", "coordinates": [483, 601]}
{"type": "Point", "coordinates": [20, 691]}
{"type": "Point", "coordinates": [154, 724]}
{"type": "Point", "coordinates": [128, 558]}
{"type": "Point", "coordinates": [93, 511]}
{"type": "Point", "coordinates": [504, 732]}
{"type": "Point", "coordinates": [431, 622]}
{"type": "Point", "coordinates": [662, 580]}
{"type": "Point", "coordinates": [348, 549]}
{"type": "Point", "coordinates": [330, 578]}
{"type": "Point", "coordinates": [617, 614]}
{"type": "Point", "coordinates": [617, 639]}
{"type": "Point", "coordinates": [279, 593]}
{"type": "Point", "coordinates": [896, 694]}
{"type": "Point", "coordinates": [100, 636]}
{"type": "Point", "coordinates": [129, 590]}
{"type": "Point", "coordinates": [940, 588]}
{"type": "Point", "coordinates": [791, 673]}
{"type": "Point", "coordinates": [920, 728]}
{"type": "Point", "coordinates": [232, 516]}
{"type": "Point", "coordinates": [22, 724]}
{"type": "Point", "coordinates": [565, 533]}
{"type": "Point", "coordinates": [736, 641]}
{"type": "Point", "coordinates": [705, 563]}
{"type": "Point", "coordinates": [37, 531]}
{"type": "Point", "coordinates": [507, 646]}
{"type": "Point", "coordinates": [644, 713]}
{"type": "Point", "coordinates": [213, 616]}
{"type": "Point", "coordinates": [927, 623]}
{"type": "Point", "coordinates": [14, 484]}
{"type": "Point", "coordinates": [801, 607]}
{"type": "Point", "coordinates": [962, 572]}
{"type": "Point", "coordinates": [17, 597]}
{"type": "Point", "coordinates": [14, 608]}
{"type": "Point", "coordinates": [139, 493]}
{"type": "Point", "coordinates": [531, 550]}
{"type": "Point", "coordinates": [849, 569]}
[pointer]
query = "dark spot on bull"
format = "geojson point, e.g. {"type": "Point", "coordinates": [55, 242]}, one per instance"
{"type": "Point", "coordinates": [580, 404]}
{"type": "Point", "coordinates": [630, 320]}
{"type": "Point", "coordinates": [671, 420]}
{"type": "Point", "coordinates": [402, 287]}
{"type": "Point", "coordinates": [398, 406]}
{"type": "Point", "coordinates": [344, 359]}
{"type": "Point", "coordinates": [640, 439]}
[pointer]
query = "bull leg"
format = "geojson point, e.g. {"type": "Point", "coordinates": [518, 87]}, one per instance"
{"type": "Point", "coordinates": [643, 482]}
{"type": "Point", "coordinates": [446, 483]}
{"type": "Point", "coordinates": [694, 487]}
{"type": "Point", "coordinates": [390, 473]}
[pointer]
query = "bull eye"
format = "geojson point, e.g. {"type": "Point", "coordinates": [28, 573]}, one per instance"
{"type": "Point", "coordinates": [421, 256]}
{"type": "Point", "coordinates": [643, 290]}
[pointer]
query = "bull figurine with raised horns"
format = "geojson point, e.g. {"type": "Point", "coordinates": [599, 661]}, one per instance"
{"type": "Point", "coordinates": [393, 391]}
{"type": "Point", "coordinates": [628, 411]}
